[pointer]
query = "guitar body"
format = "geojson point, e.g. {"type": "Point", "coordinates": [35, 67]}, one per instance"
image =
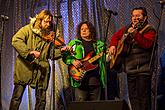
{"type": "Point", "coordinates": [115, 57]}
{"type": "Point", "coordinates": [78, 73]}
{"type": "Point", "coordinates": [121, 48]}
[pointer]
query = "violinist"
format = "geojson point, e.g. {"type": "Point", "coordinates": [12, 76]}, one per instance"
{"type": "Point", "coordinates": [135, 56]}
{"type": "Point", "coordinates": [32, 66]}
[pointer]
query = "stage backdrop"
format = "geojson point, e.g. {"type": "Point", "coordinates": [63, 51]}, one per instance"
{"type": "Point", "coordinates": [73, 12]}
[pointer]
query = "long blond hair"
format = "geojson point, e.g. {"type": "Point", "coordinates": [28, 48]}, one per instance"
{"type": "Point", "coordinates": [40, 16]}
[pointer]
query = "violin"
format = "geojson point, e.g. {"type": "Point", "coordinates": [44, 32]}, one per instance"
{"type": "Point", "coordinates": [58, 41]}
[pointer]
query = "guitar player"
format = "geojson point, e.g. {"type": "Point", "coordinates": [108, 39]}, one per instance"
{"type": "Point", "coordinates": [136, 60]}
{"type": "Point", "coordinates": [86, 78]}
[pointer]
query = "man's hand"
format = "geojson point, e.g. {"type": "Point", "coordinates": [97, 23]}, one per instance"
{"type": "Point", "coordinates": [35, 53]}
{"type": "Point", "coordinates": [66, 48]}
{"type": "Point", "coordinates": [112, 50]}
{"type": "Point", "coordinates": [131, 30]}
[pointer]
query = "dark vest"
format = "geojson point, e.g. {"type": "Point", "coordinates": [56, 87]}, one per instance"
{"type": "Point", "coordinates": [138, 60]}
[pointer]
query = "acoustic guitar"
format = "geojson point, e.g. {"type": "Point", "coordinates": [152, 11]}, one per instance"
{"type": "Point", "coordinates": [120, 45]}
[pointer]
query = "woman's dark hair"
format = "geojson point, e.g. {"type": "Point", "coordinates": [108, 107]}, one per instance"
{"type": "Point", "coordinates": [91, 27]}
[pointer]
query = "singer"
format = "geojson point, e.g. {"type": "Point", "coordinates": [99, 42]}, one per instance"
{"type": "Point", "coordinates": [134, 54]}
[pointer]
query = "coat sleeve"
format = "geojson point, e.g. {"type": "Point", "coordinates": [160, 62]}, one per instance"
{"type": "Point", "coordinates": [145, 40]}
{"type": "Point", "coordinates": [68, 58]}
{"type": "Point", "coordinates": [117, 36]}
{"type": "Point", "coordinates": [19, 41]}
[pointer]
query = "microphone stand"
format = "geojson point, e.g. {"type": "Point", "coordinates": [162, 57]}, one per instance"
{"type": "Point", "coordinates": [104, 52]}
{"type": "Point", "coordinates": [1, 44]}
{"type": "Point", "coordinates": [52, 52]}
{"type": "Point", "coordinates": [156, 67]}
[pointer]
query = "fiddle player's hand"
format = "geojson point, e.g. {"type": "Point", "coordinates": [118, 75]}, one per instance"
{"type": "Point", "coordinates": [77, 63]}
{"type": "Point", "coordinates": [35, 53]}
{"type": "Point", "coordinates": [112, 50]}
{"type": "Point", "coordinates": [66, 48]}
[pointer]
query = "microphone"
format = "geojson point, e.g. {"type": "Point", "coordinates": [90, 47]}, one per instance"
{"type": "Point", "coordinates": [4, 17]}
{"type": "Point", "coordinates": [113, 12]}
{"type": "Point", "coordinates": [162, 2]}
{"type": "Point", "coordinates": [58, 16]}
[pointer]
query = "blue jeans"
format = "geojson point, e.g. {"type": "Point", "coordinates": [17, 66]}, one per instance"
{"type": "Point", "coordinates": [17, 98]}
{"type": "Point", "coordinates": [92, 94]}
{"type": "Point", "coordinates": [139, 87]}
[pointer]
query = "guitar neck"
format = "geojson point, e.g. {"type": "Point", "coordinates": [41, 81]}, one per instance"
{"type": "Point", "coordinates": [95, 57]}
{"type": "Point", "coordinates": [125, 35]}
{"type": "Point", "coordinates": [122, 40]}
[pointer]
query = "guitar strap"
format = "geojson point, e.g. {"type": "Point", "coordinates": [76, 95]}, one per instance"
{"type": "Point", "coordinates": [128, 47]}
{"type": "Point", "coordinates": [141, 31]}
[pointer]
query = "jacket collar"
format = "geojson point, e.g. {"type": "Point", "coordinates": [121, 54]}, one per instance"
{"type": "Point", "coordinates": [36, 31]}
